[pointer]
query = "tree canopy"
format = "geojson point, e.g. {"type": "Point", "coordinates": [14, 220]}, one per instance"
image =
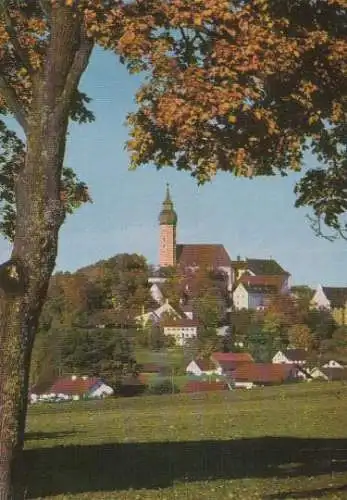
{"type": "Point", "coordinates": [239, 86]}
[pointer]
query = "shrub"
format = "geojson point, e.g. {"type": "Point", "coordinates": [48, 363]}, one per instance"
{"type": "Point", "coordinates": [163, 387]}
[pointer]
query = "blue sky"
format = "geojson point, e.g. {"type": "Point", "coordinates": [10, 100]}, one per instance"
{"type": "Point", "coordinates": [252, 218]}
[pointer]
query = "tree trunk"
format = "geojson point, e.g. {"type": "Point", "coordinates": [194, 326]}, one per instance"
{"type": "Point", "coordinates": [24, 279]}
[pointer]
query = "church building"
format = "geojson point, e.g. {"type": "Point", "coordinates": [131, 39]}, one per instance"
{"type": "Point", "coordinates": [189, 257]}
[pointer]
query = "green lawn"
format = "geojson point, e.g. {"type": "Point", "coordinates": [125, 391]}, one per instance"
{"type": "Point", "coordinates": [174, 357]}
{"type": "Point", "coordinates": [268, 443]}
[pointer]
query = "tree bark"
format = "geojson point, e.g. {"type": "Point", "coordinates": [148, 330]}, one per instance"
{"type": "Point", "coordinates": [24, 279]}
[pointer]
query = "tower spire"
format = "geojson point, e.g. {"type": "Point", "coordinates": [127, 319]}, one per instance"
{"type": "Point", "coordinates": [168, 195]}
{"type": "Point", "coordinates": [168, 222]}
{"type": "Point", "coordinates": [168, 214]}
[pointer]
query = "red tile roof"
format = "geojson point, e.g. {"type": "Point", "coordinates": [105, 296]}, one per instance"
{"type": "Point", "coordinates": [235, 357]}
{"type": "Point", "coordinates": [275, 281]}
{"type": "Point", "coordinates": [70, 387]}
{"type": "Point", "coordinates": [203, 386]}
{"type": "Point", "coordinates": [263, 373]}
{"type": "Point", "coordinates": [181, 323]}
{"type": "Point", "coordinates": [205, 364]}
{"type": "Point", "coordinates": [228, 366]}
{"type": "Point", "coordinates": [202, 255]}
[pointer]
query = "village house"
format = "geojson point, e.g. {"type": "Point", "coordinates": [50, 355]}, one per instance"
{"type": "Point", "coordinates": [73, 388]}
{"type": "Point", "coordinates": [220, 363]}
{"type": "Point", "coordinates": [182, 330]}
{"type": "Point", "coordinates": [333, 299]}
{"type": "Point", "coordinates": [252, 296]}
{"type": "Point", "coordinates": [225, 362]}
{"type": "Point", "coordinates": [155, 316]}
{"type": "Point", "coordinates": [199, 367]}
{"type": "Point", "coordinates": [265, 272]}
{"type": "Point", "coordinates": [332, 363]}
{"type": "Point", "coordinates": [291, 356]}
{"type": "Point", "coordinates": [248, 375]}
{"type": "Point", "coordinates": [329, 373]}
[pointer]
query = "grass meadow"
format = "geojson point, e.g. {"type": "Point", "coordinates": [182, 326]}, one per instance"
{"type": "Point", "coordinates": [287, 442]}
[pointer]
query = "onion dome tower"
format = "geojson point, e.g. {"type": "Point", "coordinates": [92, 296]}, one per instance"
{"type": "Point", "coordinates": [168, 223]}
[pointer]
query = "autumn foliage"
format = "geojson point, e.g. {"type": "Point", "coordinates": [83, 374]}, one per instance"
{"type": "Point", "coordinates": [236, 86]}
{"type": "Point", "coordinates": [241, 86]}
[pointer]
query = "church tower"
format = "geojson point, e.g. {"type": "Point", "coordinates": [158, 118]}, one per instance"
{"type": "Point", "coordinates": [168, 222]}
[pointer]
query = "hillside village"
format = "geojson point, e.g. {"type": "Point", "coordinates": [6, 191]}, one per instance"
{"type": "Point", "coordinates": [227, 323]}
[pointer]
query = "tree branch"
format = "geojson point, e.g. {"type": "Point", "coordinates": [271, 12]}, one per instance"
{"type": "Point", "coordinates": [13, 103]}
{"type": "Point", "coordinates": [316, 226]}
{"type": "Point", "coordinates": [78, 66]}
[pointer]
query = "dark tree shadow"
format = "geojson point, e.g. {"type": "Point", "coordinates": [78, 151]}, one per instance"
{"type": "Point", "coordinates": [107, 467]}
{"type": "Point", "coordinates": [33, 436]}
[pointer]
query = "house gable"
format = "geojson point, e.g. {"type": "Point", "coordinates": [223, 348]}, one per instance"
{"type": "Point", "coordinates": [252, 296]}
{"type": "Point", "coordinates": [201, 367]}
{"type": "Point", "coordinates": [240, 297]}
{"type": "Point", "coordinates": [320, 300]}
{"type": "Point", "coordinates": [157, 294]}
{"type": "Point", "coordinates": [280, 358]}
{"type": "Point", "coordinates": [332, 364]}
{"type": "Point", "coordinates": [290, 356]}
{"type": "Point", "coordinates": [157, 315]}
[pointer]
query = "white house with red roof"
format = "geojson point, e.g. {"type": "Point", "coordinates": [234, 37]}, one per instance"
{"type": "Point", "coordinates": [261, 272]}
{"type": "Point", "coordinates": [201, 367]}
{"type": "Point", "coordinates": [182, 330]}
{"type": "Point", "coordinates": [226, 362]}
{"type": "Point", "coordinates": [219, 363]}
{"type": "Point", "coordinates": [73, 388]}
